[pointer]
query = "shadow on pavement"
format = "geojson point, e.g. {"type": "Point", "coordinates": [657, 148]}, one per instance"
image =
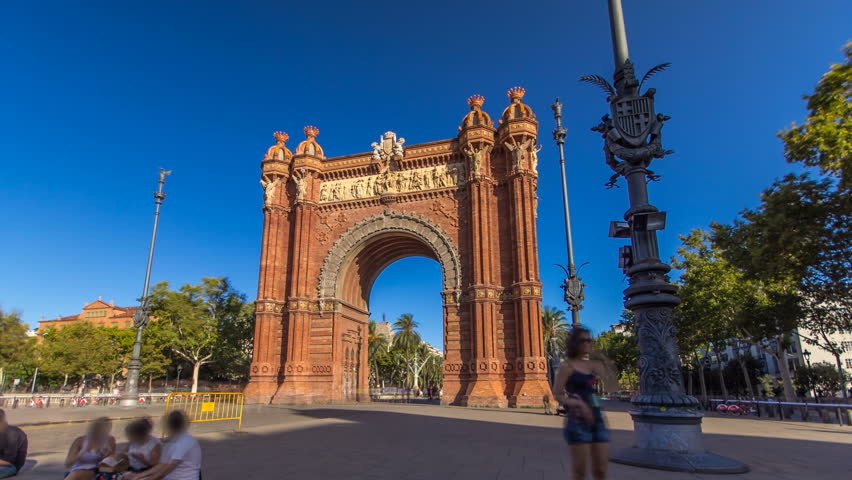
{"type": "Point", "coordinates": [436, 443]}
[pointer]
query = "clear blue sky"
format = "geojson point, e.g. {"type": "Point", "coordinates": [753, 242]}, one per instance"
{"type": "Point", "coordinates": [97, 95]}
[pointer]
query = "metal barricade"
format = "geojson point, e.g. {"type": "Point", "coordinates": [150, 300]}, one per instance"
{"type": "Point", "coordinates": [208, 407]}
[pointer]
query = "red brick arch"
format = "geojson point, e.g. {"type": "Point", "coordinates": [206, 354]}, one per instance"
{"type": "Point", "coordinates": [331, 225]}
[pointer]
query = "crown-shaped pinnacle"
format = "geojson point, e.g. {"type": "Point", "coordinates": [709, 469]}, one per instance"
{"type": "Point", "coordinates": [281, 137]}
{"type": "Point", "coordinates": [516, 93]}
{"type": "Point", "coordinates": [475, 101]}
{"type": "Point", "coordinates": [311, 131]}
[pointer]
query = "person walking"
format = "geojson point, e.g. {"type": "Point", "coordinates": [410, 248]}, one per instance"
{"type": "Point", "coordinates": [181, 459]}
{"type": "Point", "coordinates": [13, 448]}
{"type": "Point", "coordinates": [575, 388]}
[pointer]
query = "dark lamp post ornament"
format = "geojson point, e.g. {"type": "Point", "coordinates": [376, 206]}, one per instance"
{"type": "Point", "coordinates": [667, 423]}
{"type": "Point", "coordinates": [140, 317]}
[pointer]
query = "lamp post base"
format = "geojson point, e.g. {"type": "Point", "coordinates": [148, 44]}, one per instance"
{"type": "Point", "coordinates": [670, 439]}
{"type": "Point", "coordinates": [128, 401]}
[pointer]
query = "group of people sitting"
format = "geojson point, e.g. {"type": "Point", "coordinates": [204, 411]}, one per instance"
{"type": "Point", "coordinates": [95, 456]}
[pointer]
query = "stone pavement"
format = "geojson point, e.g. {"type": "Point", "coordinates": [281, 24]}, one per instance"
{"type": "Point", "coordinates": [410, 442]}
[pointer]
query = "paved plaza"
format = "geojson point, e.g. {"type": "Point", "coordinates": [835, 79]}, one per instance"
{"type": "Point", "coordinates": [384, 441]}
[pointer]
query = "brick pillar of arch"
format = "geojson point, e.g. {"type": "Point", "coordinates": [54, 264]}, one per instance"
{"type": "Point", "coordinates": [303, 381]}
{"type": "Point", "coordinates": [529, 384]}
{"type": "Point", "coordinates": [270, 333]}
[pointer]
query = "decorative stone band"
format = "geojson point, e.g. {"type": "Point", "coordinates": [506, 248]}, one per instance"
{"type": "Point", "coordinates": [264, 369]}
{"type": "Point", "coordinates": [269, 307]}
{"type": "Point", "coordinates": [496, 365]}
{"type": "Point", "coordinates": [390, 182]}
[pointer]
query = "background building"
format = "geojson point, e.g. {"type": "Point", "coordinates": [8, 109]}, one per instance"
{"type": "Point", "coordinates": [384, 328]}
{"type": "Point", "coordinates": [98, 313]}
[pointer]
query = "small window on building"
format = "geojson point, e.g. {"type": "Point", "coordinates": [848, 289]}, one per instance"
{"type": "Point", "coordinates": [114, 324]}
{"type": "Point", "coordinates": [847, 346]}
{"type": "Point", "coordinates": [849, 363]}
{"type": "Point", "coordinates": [126, 324]}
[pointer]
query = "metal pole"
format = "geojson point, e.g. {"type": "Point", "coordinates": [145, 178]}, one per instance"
{"type": "Point", "coordinates": [35, 379]}
{"type": "Point", "coordinates": [667, 424]}
{"type": "Point", "coordinates": [573, 285]}
{"type": "Point", "coordinates": [619, 34]}
{"type": "Point", "coordinates": [140, 318]}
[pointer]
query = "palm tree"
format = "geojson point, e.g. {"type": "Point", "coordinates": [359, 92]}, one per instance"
{"type": "Point", "coordinates": [555, 331]}
{"type": "Point", "coordinates": [376, 343]}
{"type": "Point", "coordinates": [406, 336]}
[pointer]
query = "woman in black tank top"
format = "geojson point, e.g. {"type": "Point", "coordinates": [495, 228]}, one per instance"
{"type": "Point", "coordinates": [575, 387]}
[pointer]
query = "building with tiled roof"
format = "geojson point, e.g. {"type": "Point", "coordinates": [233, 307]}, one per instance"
{"type": "Point", "coordinates": [98, 313]}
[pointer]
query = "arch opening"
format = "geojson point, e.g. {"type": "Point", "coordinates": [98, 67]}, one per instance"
{"type": "Point", "coordinates": [360, 272]}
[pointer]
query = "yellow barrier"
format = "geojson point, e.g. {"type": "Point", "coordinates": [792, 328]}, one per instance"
{"type": "Point", "coordinates": [208, 407]}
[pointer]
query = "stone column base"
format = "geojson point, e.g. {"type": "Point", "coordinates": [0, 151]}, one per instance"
{"type": "Point", "coordinates": [671, 439]}
{"type": "Point", "coordinates": [260, 391]}
{"type": "Point", "coordinates": [484, 392]}
{"type": "Point", "coordinates": [302, 391]}
{"type": "Point", "coordinates": [530, 393]}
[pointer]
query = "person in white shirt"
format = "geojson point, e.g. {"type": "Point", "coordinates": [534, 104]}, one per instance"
{"type": "Point", "coordinates": [181, 458]}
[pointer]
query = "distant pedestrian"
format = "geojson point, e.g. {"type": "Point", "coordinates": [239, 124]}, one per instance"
{"type": "Point", "coordinates": [181, 459]}
{"type": "Point", "coordinates": [87, 451]}
{"type": "Point", "coordinates": [13, 448]}
{"type": "Point", "coordinates": [548, 408]}
{"type": "Point", "coordinates": [574, 387]}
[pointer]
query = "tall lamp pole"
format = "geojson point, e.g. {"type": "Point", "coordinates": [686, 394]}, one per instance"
{"type": "Point", "coordinates": [140, 317]}
{"type": "Point", "coordinates": [667, 424]}
{"type": "Point", "coordinates": [573, 285]}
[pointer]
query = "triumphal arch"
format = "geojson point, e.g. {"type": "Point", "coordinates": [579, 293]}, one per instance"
{"type": "Point", "coordinates": [331, 225]}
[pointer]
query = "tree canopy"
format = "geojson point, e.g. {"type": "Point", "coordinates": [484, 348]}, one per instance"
{"type": "Point", "coordinates": [825, 139]}
{"type": "Point", "coordinates": [195, 320]}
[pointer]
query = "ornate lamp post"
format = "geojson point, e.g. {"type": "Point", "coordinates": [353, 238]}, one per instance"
{"type": "Point", "coordinates": [573, 285]}
{"type": "Point", "coordinates": [667, 424]}
{"type": "Point", "coordinates": [140, 317]}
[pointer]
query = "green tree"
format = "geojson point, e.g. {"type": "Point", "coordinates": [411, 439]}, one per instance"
{"type": "Point", "coordinates": [621, 349]}
{"type": "Point", "coordinates": [555, 330]}
{"type": "Point", "coordinates": [191, 320]}
{"type": "Point", "coordinates": [825, 377]}
{"type": "Point", "coordinates": [712, 293]}
{"type": "Point", "coordinates": [236, 338]}
{"type": "Point", "coordinates": [155, 362]}
{"type": "Point", "coordinates": [797, 245]}
{"type": "Point", "coordinates": [76, 350]}
{"type": "Point", "coordinates": [17, 354]}
{"type": "Point", "coordinates": [825, 139]}
{"type": "Point", "coordinates": [377, 345]}
{"type": "Point", "coordinates": [405, 332]}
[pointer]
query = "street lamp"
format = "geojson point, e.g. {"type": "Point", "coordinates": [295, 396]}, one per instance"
{"type": "Point", "coordinates": [667, 424]}
{"type": "Point", "coordinates": [573, 285]}
{"type": "Point", "coordinates": [807, 356]}
{"type": "Point", "coordinates": [177, 382]}
{"type": "Point", "coordinates": [140, 317]}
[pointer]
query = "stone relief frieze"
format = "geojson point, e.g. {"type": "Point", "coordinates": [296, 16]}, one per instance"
{"type": "Point", "coordinates": [405, 181]}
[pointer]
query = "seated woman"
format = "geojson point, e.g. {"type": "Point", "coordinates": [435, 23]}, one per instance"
{"type": "Point", "coordinates": [87, 451]}
{"type": "Point", "coordinates": [143, 449]}
{"type": "Point", "coordinates": [141, 452]}
{"type": "Point", "coordinates": [181, 458]}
